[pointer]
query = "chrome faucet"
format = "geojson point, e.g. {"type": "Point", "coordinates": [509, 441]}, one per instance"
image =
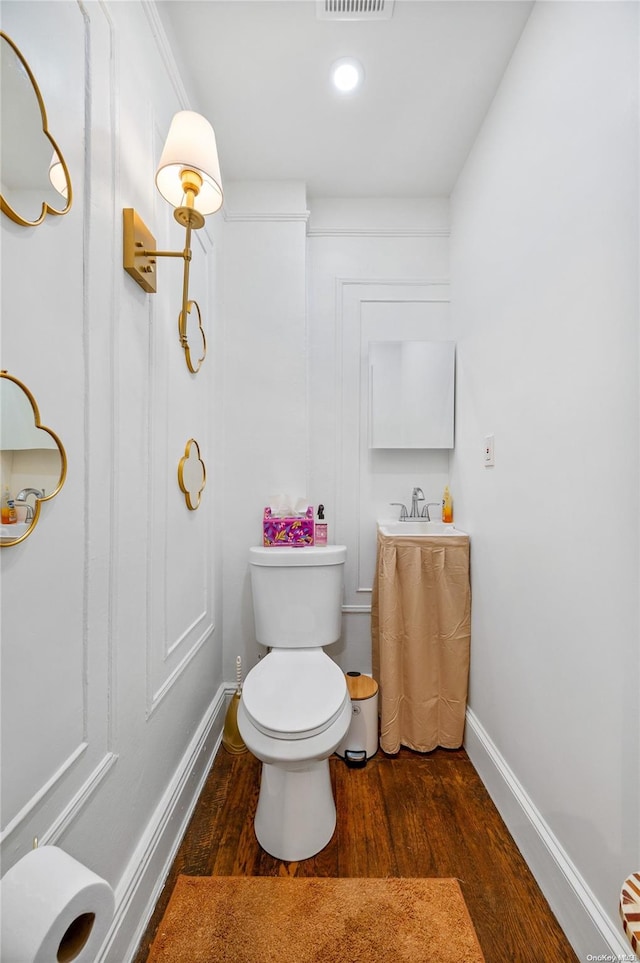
{"type": "Point", "coordinates": [22, 498]}
{"type": "Point", "coordinates": [22, 494]}
{"type": "Point", "coordinates": [416, 496]}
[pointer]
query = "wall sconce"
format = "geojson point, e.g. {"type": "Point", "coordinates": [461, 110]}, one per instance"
{"type": "Point", "coordinates": [188, 177]}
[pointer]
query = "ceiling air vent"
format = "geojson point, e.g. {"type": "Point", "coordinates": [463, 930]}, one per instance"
{"type": "Point", "coordinates": [354, 9]}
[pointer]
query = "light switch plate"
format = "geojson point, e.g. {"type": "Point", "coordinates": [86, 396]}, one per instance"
{"type": "Point", "coordinates": [489, 459]}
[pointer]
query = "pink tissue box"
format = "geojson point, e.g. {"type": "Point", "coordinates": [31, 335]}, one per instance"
{"type": "Point", "coordinates": [290, 532]}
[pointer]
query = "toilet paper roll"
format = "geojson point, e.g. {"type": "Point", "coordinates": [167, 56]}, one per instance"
{"type": "Point", "coordinates": [53, 909]}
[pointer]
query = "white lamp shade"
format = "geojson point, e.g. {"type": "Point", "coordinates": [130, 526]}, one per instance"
{"type": "Point", "coordinates": [57, 176]}
{"type": "Point", "coordinates": [190, 143]}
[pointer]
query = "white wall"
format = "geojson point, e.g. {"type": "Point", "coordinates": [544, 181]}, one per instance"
{"type": "Point", "coordinates": [378, 271]}
{"type": "Point", "coordinates": [112, 685]}
{"type": "Point", "coordinates": [545, 302]}
{"type": "Point", "coordinates": [264, 439]}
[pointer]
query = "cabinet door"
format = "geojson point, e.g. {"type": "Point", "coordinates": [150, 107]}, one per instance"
{"type": "Point", "coordinates": [411, 394]}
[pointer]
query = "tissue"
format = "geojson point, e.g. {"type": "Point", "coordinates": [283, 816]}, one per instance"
{"type": "Point", "coordinates": [288, 530]}
{"type": "Point", "coordinates": [53, 908]}
{"type": "Point", "coordinates": [283, 506]}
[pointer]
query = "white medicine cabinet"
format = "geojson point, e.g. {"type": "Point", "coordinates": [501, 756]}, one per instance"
{"type": "Point", "coordinates": [411, 394]}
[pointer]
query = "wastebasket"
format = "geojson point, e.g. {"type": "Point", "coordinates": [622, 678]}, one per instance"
{"type": "Point", "coordinates": [361, 740]}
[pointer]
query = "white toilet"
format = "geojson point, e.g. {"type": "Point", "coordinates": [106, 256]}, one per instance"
{"type": "Point", "coordinates": [295, 707]}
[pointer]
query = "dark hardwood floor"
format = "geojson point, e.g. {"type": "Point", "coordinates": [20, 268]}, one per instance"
{"type": "Point", "coordinates": [404, 815]}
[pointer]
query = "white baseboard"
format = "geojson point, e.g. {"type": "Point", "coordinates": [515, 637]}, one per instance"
{"type": "Point", "coordinates": [138, 891]}
{"type": "Point", "coordinates": [592, 934]}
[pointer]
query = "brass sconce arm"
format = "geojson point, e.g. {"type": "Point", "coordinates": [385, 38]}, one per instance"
{"type": "Point", "coordinates": [139, 260]}
{"type": "Point", "coordinates": [139, 242]}
{"type": "Point", "coordinates": [186, 254]}
{"type": "Point", "coordinates": [188, 177]}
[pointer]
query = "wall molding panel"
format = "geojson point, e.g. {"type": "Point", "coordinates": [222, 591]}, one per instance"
{"type": "Point", "coordinates": [170, 647]}
{"type": "Point", "coordinates": [171, 680]}
{"type": "Point", "coordinates": [71, 811]}
{"type": "Point", "coordinates": [377, 269]}
{"type": "Point", "coordinates": [189, 631]}
{"type": "Point", "coordinates": [100, 354]}
{"type": "Point", "coordinates": [179, 606]}
{"type": "Point", "coordinates": [82, 634]}
{"type": "Point", "coordinates": [142, 882]}
{"type": "Point", "coordinates": [368, 310]}
{"type": "Point", "coordinates": [43, 792]}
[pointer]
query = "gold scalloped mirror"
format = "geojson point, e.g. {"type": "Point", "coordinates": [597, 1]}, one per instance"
{"type": "Point", "coordinates": [192, 337]}
{"type": "Point", "coordinates": [192, 475]}
{"type": "Point", "coordinates": [35, 177]}
{"type": "Point", "coordinates": [33, 463]}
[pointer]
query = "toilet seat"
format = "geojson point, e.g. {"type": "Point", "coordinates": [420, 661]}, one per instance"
{"type": "Point", "coordinates": [294, 693]}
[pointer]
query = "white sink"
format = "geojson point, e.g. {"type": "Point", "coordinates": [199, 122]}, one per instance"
{"type": "Point", "coordinates": [418, 526]}
{"type": "Point", "coordinates": [15, 530]}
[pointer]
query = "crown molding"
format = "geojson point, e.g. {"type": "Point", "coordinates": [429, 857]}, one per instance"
{"type": "Point", "coordinates": [166, 53]}
{"type": "Point", "coordinates": [374, 232]}
{"type": "Point", "coordinates": [266, 216]}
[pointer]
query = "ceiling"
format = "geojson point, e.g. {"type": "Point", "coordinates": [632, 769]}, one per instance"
{"type": "Point", "coordinates": [259, 70]}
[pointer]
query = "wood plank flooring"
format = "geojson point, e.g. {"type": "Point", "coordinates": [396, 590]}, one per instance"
{"type": "Point", "coordinates": [404, 815]}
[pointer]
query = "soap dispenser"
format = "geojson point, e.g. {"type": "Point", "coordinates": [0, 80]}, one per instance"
{"type": "Point", "coordinates": [8, 509]}
{"type": "Point", "coordinates": [447, 506]}
{"type": "Point", "coordinates": [320, 528]}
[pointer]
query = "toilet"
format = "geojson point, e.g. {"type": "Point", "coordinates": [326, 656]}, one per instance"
{"type": "Point", "coordinates": [295, 708]}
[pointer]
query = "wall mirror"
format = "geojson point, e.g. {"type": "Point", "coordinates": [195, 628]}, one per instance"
{"type": "Point", "coordinates": [411, 394]}
{"type": "Point", "coordinates": [35, 177]}
{"type": "Point", "coordinates": [192, 475]}
{"type": "Point", "coordinates": [33, 462]}
{"type": "Point", "coordinates": [192, 337]}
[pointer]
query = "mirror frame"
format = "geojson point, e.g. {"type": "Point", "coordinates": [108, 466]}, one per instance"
{"type": "Point", "coordinates": [7, 543]}
{"type": "Point", "coordinates": [5, 207]}
{"type": "Point", "coordinates": [192, 499]}
{"type": "Point", "coordinates": [184, 339]}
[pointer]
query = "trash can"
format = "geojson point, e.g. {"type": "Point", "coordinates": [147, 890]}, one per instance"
{"type": "Point", "coordinates": [361, 740]}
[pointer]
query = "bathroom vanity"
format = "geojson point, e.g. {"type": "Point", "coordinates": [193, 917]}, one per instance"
{"type": "Point", "coordinates": [421, 633]}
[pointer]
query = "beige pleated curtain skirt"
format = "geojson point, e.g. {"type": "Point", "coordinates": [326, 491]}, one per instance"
{"type": "Point", "coordinates": [421, 634]}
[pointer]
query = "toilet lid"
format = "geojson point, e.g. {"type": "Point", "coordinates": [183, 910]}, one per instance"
{"type": "Point", "coordinates": [294, 693]}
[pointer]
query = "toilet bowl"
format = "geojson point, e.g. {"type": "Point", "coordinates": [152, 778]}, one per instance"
{"type": "Point", "coordinates": [293, 714]}
{"type": "Point", "coordinates": [295, 708]}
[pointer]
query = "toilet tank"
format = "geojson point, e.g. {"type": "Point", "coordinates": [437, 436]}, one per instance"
{"type": "Point", "coordinates": [297, 595]}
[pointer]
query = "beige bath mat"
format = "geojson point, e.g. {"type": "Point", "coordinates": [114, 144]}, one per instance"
{"type": "Point", "coordinates": [248, 919]}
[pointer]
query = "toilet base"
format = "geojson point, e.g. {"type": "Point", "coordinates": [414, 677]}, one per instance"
{"type": "Point", "coordinates": [296, 813]}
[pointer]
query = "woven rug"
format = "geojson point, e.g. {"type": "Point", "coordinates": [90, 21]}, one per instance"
{"type": "Point", "coordinates": [249, 919]}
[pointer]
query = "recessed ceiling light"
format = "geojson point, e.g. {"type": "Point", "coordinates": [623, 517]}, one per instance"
{"type": "Point", "coordinates": [347, 74]}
